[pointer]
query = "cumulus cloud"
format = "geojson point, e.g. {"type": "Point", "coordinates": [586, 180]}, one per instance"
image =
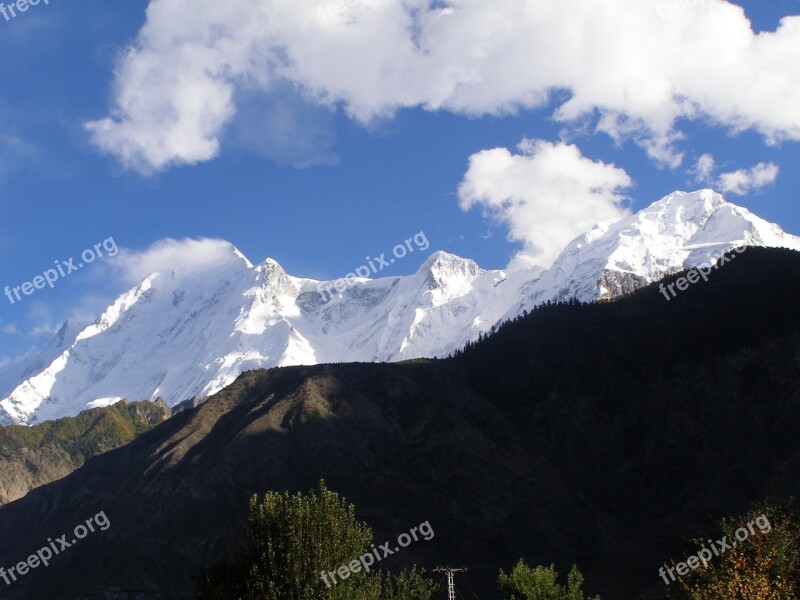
{"type": "Point", "coordinates": [740, 182]}
{"type": "Point", "coordinates": [745, 181]}
{"type": "Point", "coordinates": [185, 256]}
{"type": "Point", "coordinates": [547, 194]}
{"type": "Point", "coordinates": [632, 64]}
{"type": "Point", "coordinates": [704, 169]}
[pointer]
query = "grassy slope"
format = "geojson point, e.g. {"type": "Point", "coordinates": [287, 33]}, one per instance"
{"type": "Point", "coordinates": [37, 455]}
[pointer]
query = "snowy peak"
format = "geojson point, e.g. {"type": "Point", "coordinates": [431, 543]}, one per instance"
{"type": "Point", "coordinates": [276, 282]}
{"type": "Point", "coordinates": [442, 270]}
{"type": "Point", "coordinates": [207, 260]}
{"type": "Point", "coordinates": [443, 264]}
{"type": "Point", "coordinates": [241, 257]}
{"type": "Point", "coordinates": [682, 230]}
{"type": "Point", "coordinates": [188, 331]}
{"type": "Point", "coordinates": [686, 208]}
{"type": "Point", "coordinates": [705, 217]}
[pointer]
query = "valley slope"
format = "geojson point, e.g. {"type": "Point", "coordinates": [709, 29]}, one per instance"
{"type": "Point", "coordinates": [596, 434]}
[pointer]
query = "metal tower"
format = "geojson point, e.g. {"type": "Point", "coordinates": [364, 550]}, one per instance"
{"type": "Point", "coordinates": [450, 572]}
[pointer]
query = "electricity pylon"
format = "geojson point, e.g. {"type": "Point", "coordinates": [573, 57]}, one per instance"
{"type": "Point", "coordinates": [450, 572]}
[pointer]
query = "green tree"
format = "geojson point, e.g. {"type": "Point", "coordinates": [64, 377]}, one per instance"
{"type": "Point", "coordinates": [290, 541]}
{"type": "Point", "coordinates": [766, 566]}
{"type": "Point", "coordinates": [409, 585]}
{"type": "Point", "coordinates": [540, 583]}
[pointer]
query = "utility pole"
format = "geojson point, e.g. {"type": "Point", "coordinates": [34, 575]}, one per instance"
{"type": "Point", "coordinates": [450, 572]}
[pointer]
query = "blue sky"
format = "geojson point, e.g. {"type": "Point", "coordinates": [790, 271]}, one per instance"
{"type": "Point", "coordinates": [318, 168]}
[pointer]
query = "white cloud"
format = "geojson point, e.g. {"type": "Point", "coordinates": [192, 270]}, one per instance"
{"type": "Point", "coordinates": [745, 181]}
{"type": "Point", "coordinates": [637, 65]}
{"type": "Point", "coordinates": [184, 256]}
{"type": "Point", "coordinates": [546, 195]}
{"type": "Point", "coordinates": [741, 182]}
{"type": "Point", "coordinates": [703, 171]}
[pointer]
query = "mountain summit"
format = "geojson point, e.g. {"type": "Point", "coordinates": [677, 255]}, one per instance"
{"type": "Point", "coordinates": [186, 334]}
{"type": "Point", "coordinates": [681, 231]}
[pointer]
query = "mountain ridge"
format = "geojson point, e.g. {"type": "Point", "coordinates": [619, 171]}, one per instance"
{"type": "Point", "coordinates": [603, 440]}
{"type": "Point", "coordinates": [32, 456]}
{"type": "Point", "coordinates": [235, 315]}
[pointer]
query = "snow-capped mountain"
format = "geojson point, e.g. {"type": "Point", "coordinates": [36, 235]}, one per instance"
{"type": "Point", "coordinates": [182, 334]}
{"type": "Point", "coordinates": [31, 364]}
{"type": "Point", "coordinates": [681, 231]}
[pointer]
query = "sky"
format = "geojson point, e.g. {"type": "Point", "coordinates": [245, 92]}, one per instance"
{"type": "Point", "coordinates": [320, 132]}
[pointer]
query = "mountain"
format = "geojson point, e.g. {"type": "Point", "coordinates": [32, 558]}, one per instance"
{"type": "Point", "coordinates": [31, 456]}
{"type": "Point", "coordinates": [34, 363]}
{"type": "Point", "coordinates": [599, 434]}
{"type": "Point", "coordinates": [184, 335]}
{"type": "Point", "coordinates": [681, 231]}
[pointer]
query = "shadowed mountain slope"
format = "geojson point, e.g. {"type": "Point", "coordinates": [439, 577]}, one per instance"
{"type": "Point", "coordinates": [596, 434]}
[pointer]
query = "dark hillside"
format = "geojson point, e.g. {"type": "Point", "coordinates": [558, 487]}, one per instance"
{"type": "Point", "coordinates": [600, 435]}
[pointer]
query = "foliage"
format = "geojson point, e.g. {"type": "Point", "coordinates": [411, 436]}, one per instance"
{"type": "Point", "coordinates": [764, 567]}
{"type": "Point", "coordinates": [408, 585]}
{"type": "Point", "coordinates": [540, 583]}
{"type": "Point", "coordinates": [290, 541]}
{"type": "Point", "coordinates": [90, 433]}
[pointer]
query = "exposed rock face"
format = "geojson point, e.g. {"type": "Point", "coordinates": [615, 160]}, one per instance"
{"type": "Point", "coordinates": [614, 284]}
